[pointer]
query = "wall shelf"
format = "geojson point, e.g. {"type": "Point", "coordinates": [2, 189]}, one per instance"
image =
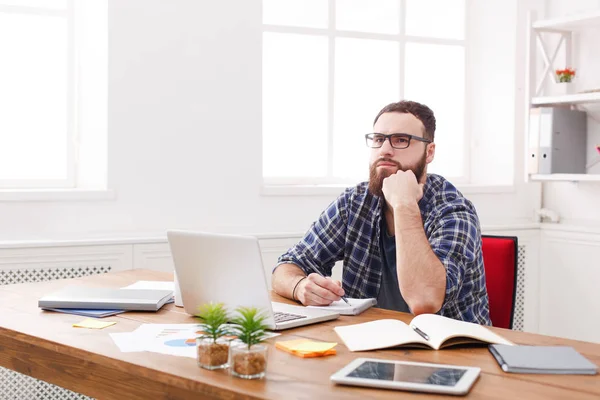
{"type": "Point", "coordinates": [545, 40]}
{"type": "Point", "coordinates": [565, 177]}
{"type": "Point", "coordinates": [569, 23]}
{"type": "Point", "coordinates": [578, 98]}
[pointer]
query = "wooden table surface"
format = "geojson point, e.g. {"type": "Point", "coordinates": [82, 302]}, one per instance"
{"type": "Point", "coordinates": [44, 345]}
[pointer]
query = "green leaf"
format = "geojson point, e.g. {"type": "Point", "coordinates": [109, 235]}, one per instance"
{"type": "Point", "coordinates": [213, 317]}
{"type": "Point", "coordinates": [249, 325]}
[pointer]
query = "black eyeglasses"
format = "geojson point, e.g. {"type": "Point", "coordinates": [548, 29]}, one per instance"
{"type": "Point", "coordinates": [397, 140]}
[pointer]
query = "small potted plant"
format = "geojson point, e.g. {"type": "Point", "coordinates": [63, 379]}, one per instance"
{"type": "Point", "coordinates": [213, 344]}
{"type": "Point", "coordinates": [249, 359]}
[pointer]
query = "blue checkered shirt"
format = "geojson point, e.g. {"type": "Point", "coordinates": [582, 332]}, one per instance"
{"type": "Point", "coordinates": [349, 230]}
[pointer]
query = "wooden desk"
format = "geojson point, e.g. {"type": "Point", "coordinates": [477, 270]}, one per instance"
{"type": "Point", "coordinates": [45, 346]}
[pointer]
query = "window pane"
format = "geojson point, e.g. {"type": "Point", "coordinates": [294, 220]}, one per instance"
{"type": "Point", "coordinates": [305, 13]}
{"type": "Point", "coordinates": [54, 4]}
{"type": "Point", "coordinates": [366, 79]}
{"type": "Point", "coordinates": [436, 18]}
{"type": "Point", "coordinates": [376, 16]}
{"type": "Point", "coordinates": [33, 98]}
{"type": "Point", "coordinates": [435, 77]}
{"type": "Point", "coordinates": [91, 23]}
{"type": "Point", "coordinates": [294, 105]}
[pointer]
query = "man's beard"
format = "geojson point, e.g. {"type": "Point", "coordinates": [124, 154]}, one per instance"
{"type": "Point", "coordinates": [376, 178]}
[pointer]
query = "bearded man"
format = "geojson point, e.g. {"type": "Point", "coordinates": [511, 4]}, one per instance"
{"type": "Point", "coordinates": [407, 238]}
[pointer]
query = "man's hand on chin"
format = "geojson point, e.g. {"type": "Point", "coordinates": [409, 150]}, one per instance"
{"type": "Point", "coordinates": [402, 189]}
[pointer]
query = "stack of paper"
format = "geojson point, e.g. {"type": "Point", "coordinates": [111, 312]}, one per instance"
{"type": "Point", "coordinates": [306, 348]}
{"type": "Point", "coordinates": [100, 308]}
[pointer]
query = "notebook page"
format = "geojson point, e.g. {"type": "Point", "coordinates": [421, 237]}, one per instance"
{"type": "Point", "coordinates": [377, 334]}
{"type": "Point", "coordinates": [356, 306]}
{"type": "Point", "coordinates": [441, 328]}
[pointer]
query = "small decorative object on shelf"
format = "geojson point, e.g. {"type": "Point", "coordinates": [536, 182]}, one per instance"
{"type": "Point", "coordinates": [565, 75]}
{"type": "Point", "coordinates": [593, 164]}
{"type": "Point", "coordinates": [213, 345]}
{"type": "Point", "coordinates": [249, 359]}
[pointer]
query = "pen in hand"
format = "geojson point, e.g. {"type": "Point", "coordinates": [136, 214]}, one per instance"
{"type": "Point", "coordinates": [319, 272]}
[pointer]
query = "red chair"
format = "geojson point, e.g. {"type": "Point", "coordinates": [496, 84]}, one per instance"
{"type": "Point", "coordinates": [500, 263]}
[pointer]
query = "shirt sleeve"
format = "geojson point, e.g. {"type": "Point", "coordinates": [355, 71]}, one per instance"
{"type": "Point", "coordinates": [323, 244]}
{"type": "Point", "coordinates": [455, 240]}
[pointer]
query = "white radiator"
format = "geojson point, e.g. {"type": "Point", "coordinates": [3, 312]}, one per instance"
{"type": "Point", "coordinates": [16, 386]}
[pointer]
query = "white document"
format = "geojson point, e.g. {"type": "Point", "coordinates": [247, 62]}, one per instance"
{"type": "Point", "coordinates": [172, 339]}
{"type": "Point", "coordinates": [179, 344]}
{"type": "Point", "coordinates": [182, 344]}
{"type": "Point", "coordinates": [144, 336]}
{"type": "Point", "coordinates": [356, 306]}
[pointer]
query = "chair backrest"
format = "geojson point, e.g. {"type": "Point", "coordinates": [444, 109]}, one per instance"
{"type": "Point", "coordinates": [500, 263]}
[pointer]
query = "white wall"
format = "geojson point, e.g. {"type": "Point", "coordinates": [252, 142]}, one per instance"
{"type": "Point", "coordinates": [492, 100]}
{"type": "Point", "coordinates": [578, 203]}
{"type": "Point", "coordinates": [181, 72]}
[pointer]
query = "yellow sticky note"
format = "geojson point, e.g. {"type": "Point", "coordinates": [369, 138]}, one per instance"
{"type": "Point", "coordinates": [289, 344]}
{"type": "Point", "coordinates": [313, 347]}
{"type": "Point", "coordinates": [93, 324]}
{"type": "Point", "coordinates": [305, 346]}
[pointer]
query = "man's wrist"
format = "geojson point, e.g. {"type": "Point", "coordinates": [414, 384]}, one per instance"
{"type": "Point", "coordinates": [408, 216]}
{"type": "Point", "coordinates": [410, 208]}
{"type": "Point", "coordinates": [294, 290]}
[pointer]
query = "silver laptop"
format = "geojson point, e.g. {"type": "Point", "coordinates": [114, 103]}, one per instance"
{"type": "Point", "coordinates": [228, 269]}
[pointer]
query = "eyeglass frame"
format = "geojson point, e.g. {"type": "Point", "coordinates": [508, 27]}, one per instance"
{"type": "Point", "coordinates": [389, 137]}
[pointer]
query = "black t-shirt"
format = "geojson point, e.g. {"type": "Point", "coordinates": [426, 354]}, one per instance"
{"type": "Point", "coordinates": [389, 296]}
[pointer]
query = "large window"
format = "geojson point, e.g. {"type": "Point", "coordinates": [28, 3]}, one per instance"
{"type": "Point", "coordinates": [52, 87]}
{"type": "Point", "coordinates": [330, 65]}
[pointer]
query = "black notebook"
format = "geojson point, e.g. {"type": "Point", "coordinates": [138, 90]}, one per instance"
{"type": "Point", "coordinates": [542, 360]}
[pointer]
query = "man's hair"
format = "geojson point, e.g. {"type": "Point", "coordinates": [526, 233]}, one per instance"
{"type": "Point", "coordinates": [420, 111]}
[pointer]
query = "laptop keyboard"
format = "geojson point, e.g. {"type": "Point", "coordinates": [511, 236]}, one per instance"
{"type": "Point", "coordinates": [284, 317]}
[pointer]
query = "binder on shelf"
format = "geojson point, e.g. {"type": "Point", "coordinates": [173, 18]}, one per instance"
{"type": "Point", "coordinates": [557, 140]}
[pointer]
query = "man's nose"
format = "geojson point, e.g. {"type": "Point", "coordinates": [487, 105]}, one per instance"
{"type": "Point", "coordinates": [386, 148]}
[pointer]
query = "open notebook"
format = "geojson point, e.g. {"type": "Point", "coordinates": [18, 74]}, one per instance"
{"type": "Point", "coordinates": [426, 331]}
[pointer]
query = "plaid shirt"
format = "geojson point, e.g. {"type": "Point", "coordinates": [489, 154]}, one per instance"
{"type": "Point", "coordinates": [349, 230]}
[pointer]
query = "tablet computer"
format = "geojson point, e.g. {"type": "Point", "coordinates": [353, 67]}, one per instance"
{"type": "Point", "coordinates": [405, 375]}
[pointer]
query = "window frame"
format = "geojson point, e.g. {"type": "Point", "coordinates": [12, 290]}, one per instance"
{"type": "Point", "coordinates": [401, 40]}
{"type": "Point", "coordinates": [68, 13]}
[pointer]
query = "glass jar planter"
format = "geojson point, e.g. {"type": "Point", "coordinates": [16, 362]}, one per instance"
{"type": "Point", "coordinates": [249, 363]}
{"type": "Point", "coordinates": [212, 355]}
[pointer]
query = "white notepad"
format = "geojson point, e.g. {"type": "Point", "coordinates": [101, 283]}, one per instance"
{"type": "Point", "coordinates": [356, 306]}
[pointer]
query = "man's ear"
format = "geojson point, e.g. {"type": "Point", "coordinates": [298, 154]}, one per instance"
{"type": "Point", "coordinates": [430, 152]}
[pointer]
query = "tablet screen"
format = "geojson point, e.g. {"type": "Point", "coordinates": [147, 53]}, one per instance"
{"type": "Point", "coordinates": [383, 371]}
